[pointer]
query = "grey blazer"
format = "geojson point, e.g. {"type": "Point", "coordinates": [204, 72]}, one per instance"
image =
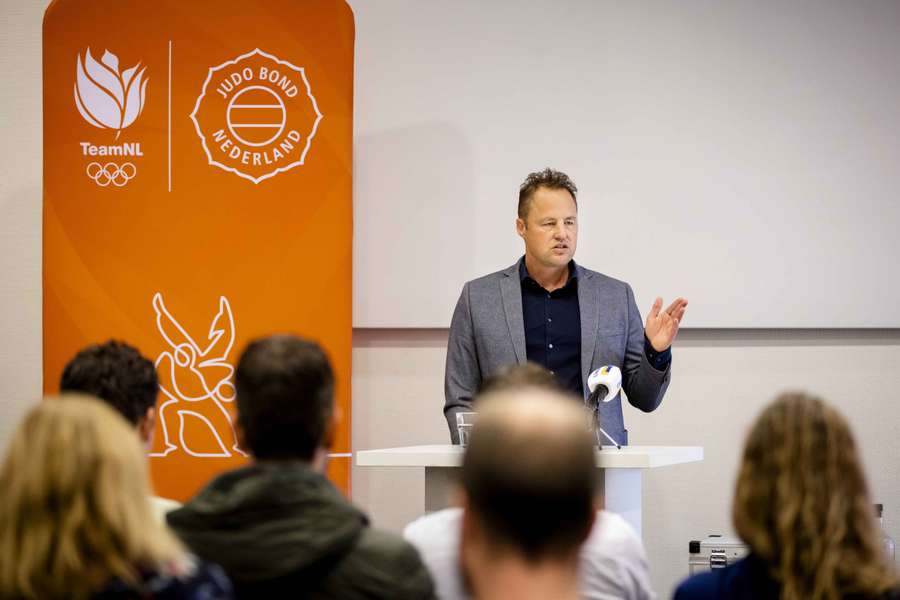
{"type": "Point", "coordinates": [488, 332]}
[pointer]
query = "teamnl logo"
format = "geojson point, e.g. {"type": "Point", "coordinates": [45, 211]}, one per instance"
{"type": "Point", "coordinates": [256, 116]}
{"type": "Point", "coordinates": [111, 99]}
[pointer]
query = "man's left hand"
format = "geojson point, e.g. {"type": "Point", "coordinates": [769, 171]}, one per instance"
{"type": "Point", "coordinates": [662, 325]}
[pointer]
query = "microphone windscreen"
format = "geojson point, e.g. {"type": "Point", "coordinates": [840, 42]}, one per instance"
{"type": "Point", "coordinates": [597, 396]}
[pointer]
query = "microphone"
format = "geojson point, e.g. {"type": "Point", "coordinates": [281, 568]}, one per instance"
{"type": "Point", "coordinates": [604, 385]}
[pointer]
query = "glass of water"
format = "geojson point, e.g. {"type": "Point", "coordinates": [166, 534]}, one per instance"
{"type": "Point", "coordinates": [464, 423]}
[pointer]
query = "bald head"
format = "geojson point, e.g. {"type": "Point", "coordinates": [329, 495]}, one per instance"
{"type": "Point", "coordinates": [517, 377]}
{"type": "Point", "coordinates": [529, 473]}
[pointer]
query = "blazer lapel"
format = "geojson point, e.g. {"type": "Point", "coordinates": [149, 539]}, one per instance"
{"type": "Point", "coordinates": [589, 309]}
{"type": "Point", "coordinates": [511, 294]}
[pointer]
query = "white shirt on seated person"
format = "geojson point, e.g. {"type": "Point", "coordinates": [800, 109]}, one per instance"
{"type": "Point", "coordinates": [613, 565]}
{"type": "Point", "coordinates": [162, 506]}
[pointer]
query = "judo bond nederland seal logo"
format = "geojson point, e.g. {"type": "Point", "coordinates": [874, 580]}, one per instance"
{"type": "Point", "coordinates": [256, 116]}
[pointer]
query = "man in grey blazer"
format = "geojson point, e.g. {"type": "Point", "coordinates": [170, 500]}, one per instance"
{"type": "Point", "coordinates": [549, 310]}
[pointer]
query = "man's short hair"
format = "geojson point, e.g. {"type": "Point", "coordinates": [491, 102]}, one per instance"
{"type": "Point", "coordinates": [516, 377]}
{"type": "Point", "coordinates": [285, 397]}
{"type": "Point", "coordinates": [548, 178]}
{"type": "Point", "coordinates": [116, 373]}
{"type": "Point", "coordinates": [529, 473]}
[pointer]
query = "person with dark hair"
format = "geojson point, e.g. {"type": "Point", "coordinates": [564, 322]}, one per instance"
{"type": "Point", "coordinates": [612, 562]}
{"type": "Point", "coordinates": [529, 485]}
{"type": "Point", "coordinates": [278, 526]}
{"type": "Point", "coordinates": [119, 375]}
{"type": "Point", "coordinates": [549, 310]}
{"type": "Point", "coordinates": [802, 505]}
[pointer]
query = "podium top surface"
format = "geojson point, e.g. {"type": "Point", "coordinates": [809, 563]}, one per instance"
{"type": "Point", "coordinates": [629, 457]}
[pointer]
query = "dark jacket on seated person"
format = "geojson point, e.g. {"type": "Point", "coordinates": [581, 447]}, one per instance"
{"type": "Point", "coordinates": [282, 530]}
{"type": "Point", "coordinates": [747, 579]}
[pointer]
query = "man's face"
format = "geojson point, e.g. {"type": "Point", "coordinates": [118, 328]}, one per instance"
{"type": "Point", "coordinates": [550, 229]}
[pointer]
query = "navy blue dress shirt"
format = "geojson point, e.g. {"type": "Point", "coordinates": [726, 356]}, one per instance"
{"type": "Point", "coordinates": [553, 327]}
{"type": "Point", "coordinates": [553, 330]}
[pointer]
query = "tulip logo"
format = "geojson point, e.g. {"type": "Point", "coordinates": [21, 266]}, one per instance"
{"type": "Point", "coordinates": [256, 116]}
{"type": "Point", "coordinates": [106, 98]}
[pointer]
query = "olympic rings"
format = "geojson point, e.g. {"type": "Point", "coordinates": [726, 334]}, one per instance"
{"type": "Point", "coordinates": [112, 173]}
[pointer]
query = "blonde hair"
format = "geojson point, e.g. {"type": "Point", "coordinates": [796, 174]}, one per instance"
{"type": "Point", "coordinates": [75, 498]}
{"type": "Point", "coordinates": [802, 504]}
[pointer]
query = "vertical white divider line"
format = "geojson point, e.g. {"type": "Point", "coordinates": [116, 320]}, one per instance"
{"type": "Point", "coordinates": [170, 116]}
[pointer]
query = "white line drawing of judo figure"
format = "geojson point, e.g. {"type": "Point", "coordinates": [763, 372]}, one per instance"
{"type": "Point", "coordinates": [191, 374]}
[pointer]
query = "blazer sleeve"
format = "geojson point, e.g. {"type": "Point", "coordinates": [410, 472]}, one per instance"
{"type": "Point", "coordinates": [644, 384]}
{"type": "Point", "coordinates": [462, 374]}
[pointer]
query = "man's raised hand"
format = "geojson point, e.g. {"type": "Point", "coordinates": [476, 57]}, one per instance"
{"type": "Point", "coordinates": [662, 325]}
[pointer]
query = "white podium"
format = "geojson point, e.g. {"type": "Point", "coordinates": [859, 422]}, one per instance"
{"type": "Point", "coordinates": [621, 480]}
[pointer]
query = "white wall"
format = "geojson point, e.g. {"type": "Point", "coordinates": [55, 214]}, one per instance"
{"type": "Point", "coordinates": [755, 132]}
{"type": "Point", "coordinates": [721, 378]}
{"type": "Point", "coordinates": [20, 209]}
{"type": "Point", "coordinates": [742, 154]}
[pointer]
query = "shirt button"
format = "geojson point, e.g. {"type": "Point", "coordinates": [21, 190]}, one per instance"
{"type": "Point", "coordinates": [550, 346]}
{"type": "Point", "coordinates": [549, 320]}
{"type": "Point", "coordinates": [548, 295]}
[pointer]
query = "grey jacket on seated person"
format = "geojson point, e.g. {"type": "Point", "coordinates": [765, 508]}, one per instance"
{"type": "Point", "coordinates": [488, 332]}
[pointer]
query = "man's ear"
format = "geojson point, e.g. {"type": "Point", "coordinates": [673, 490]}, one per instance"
{"type": "Point", "coordinates": [146, 424]}
{"type": "Point", "coordinates": [521, 226]}
{"type": "Point", "coordinates": [331, 428]}
{"type": "Point", "coordinates": [240, 435]}
{"type": "Point", "coordinates": [469, 540]}
{"type": "Point", "coordinates": [469, 525]}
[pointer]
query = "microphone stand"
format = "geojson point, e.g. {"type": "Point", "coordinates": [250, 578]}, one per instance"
{"type": "Point", "coordinates": [598, 430]}
{"type": "Point", "coordinates": [593, 404]}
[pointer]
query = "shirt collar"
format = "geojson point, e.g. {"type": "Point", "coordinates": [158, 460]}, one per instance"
{"type": "Point", "coordinates": [523, 271]}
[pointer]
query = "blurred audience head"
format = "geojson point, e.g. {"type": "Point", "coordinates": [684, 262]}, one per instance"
{"type": "Point", "coordinates": [802, 503]}
{"type": "Point", "coordinates": [120, 376]}
{"type": "Point", "coordinates": [529, 481]}
{"type": "Point", "coordinates": [74, 492]}
{"type": "Point", "coordinates": [519, 376]}
{"type": "Point", "coordinates": [285, 398]}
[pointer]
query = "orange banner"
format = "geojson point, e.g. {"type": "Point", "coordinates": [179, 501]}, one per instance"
{"type": "Point", "coordinates": [197, 194]}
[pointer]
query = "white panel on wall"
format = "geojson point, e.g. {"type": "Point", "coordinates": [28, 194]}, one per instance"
{"type": "Point", "coordinates": [741, 154]}
{"type": "Point", "coordinates": [20, 211]}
